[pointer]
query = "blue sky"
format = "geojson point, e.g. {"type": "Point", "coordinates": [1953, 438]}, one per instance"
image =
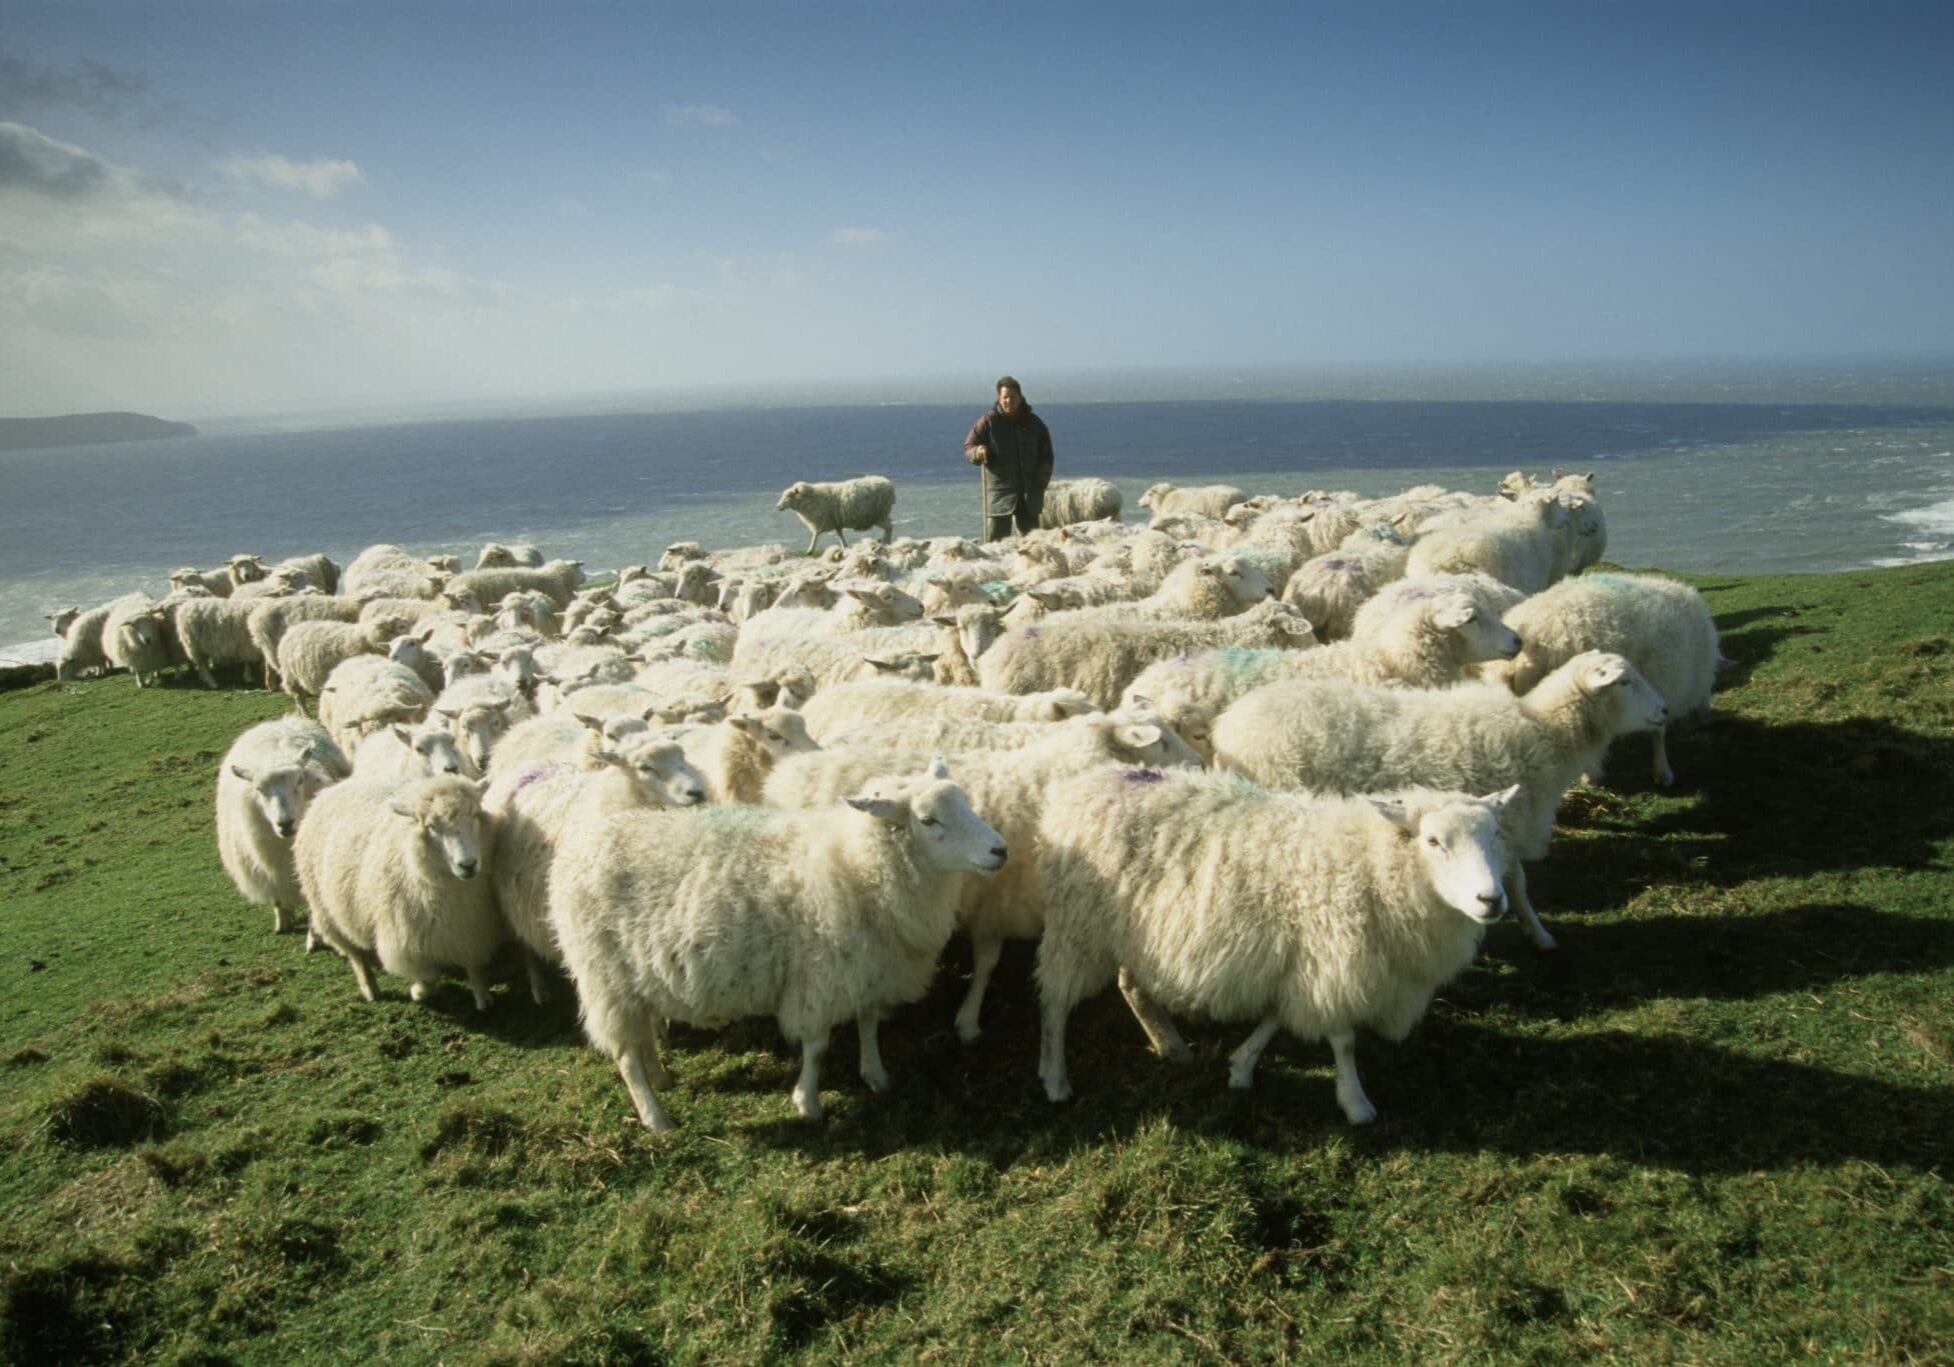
{"type": "Point", "coordinates": [209, 208]}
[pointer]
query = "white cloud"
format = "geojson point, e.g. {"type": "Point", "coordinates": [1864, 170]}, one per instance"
{"type": "Point", "coordinates": [319, 179]}
{"type": "Point", "coordinates": [857, 237]}
{"type": "Point", "coordinates": [32, 161]}
{"type": "Point", "coordinates": [701, 115]}
{"type": "Point", "coordinates": [304, 239]}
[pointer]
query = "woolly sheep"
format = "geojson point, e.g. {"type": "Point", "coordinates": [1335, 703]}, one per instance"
{"type": "Point", "coordinates": [398, 753]}
{"type": "Point", "coordinates": [1208, 500]}
{"type": "Point", "coordinates": [735, 756]}
{"type": "Point", "coordinates": [391, 873]}
{"type": "Point", "coordinates": [558, 579]}
{"type": "Point", "coordinates": [368, 692]}
{"type": "Point", "coordinates": [1514, 543]}
{"type": "Point", "coordinates": [1328, 589]}
{"type": "Point", "coordinates": [310, 651]}
{"type": "Point", "coordinates": [1079, 500]}
{"type": "Point", "coordinates": [63, 619]}
{"type": "Point", "coordinates": [478, 710]}
{"type": "Point", "coordinates": [318, 568]}
{"type": "Point", "coordinates": [1662, 625]}
{"type": "Point", "coordinates": [1207, 895]}
{"type": "Point", "coordinates": [495, 555]}
{"type": "Point", "coordinates": [82, 647]}
{"type": "Point", "coordinates": [533, 806]}
{"type": "Point", "coordinates": [851, 505]}
{"type": "Point", "coordinates": [136, 637]}
{"type": "Point", "coordinates": [386, 570]}
{"type": "Point", "coordinates": [1008, 789]}
{"type": "Point", "coordinates": [813, 918]}
{"type": "Point", "coordinates": [866, 701]}
{"type": "Point", "coordinates": [1341, 737]}
{"type": "Point", "coordinates": [1100, 658]}
{"type": "Point", "coordinates": [269, 619]}
{"type": "Point", "coordinates": [264, 782]}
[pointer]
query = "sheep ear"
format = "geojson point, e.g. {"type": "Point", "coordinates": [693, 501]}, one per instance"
{"type": "Point", "coordinates": [749, 725]}
{"type": "Point", "coordinates": [866, 595]}
{"type": "Point", "coordinates": [1138, 736]}
{"type": "Point", "coordinates": [944, 619]}
{"type": "Point", "coordinates": [1453, 615]}
{"type": "Point", "coordinates": [1604, 676]}
{"type": "Point", "coordinates": [887, 666]}
{"type": "Point", "coordinates": [1207, 569]}
{"type": "Point", "coordinates": [881, 808]}
{"type": "Point", "coordinates": [237, 772]}
{"type": "Point", "coordinates": [1500, 801]}
{"type": "Point", "coordinates": [597, 723]}
{"type": "Point", "coordinates": [606, 755]}
{"type": "Point", "coordinates": [1394, 812]}
{"type": "Point", "coordinates": [400, 806]}
{"type": "Point", "coordinates": [1139, 700]}
{"type": "Point", "coordinates": [402, 734]}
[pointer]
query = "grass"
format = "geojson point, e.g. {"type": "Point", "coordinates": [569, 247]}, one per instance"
{"type": "Point", "coordinates": [1714, 1127]}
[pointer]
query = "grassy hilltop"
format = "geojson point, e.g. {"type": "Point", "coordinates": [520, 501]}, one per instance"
{"type": "Point", "coordinates": [1716, 1126]}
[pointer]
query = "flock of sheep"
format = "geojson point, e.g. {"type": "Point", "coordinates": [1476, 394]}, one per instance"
{"type": "Point", "coordinates": [1276, 761]}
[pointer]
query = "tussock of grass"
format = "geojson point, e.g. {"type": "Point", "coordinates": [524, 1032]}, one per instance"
{"type": "Point", "coordinates": [1712, 1128]}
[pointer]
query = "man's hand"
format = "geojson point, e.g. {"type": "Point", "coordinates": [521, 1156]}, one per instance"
{"type": "Point", "coordinates": [976, 455]}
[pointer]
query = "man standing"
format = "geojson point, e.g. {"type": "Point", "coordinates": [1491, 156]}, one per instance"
{"type": "Point", "coordinates": [1014, 446]}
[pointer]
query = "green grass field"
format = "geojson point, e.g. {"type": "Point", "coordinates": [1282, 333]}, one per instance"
{"type": "Point", "coordinates": [1715, 1126]}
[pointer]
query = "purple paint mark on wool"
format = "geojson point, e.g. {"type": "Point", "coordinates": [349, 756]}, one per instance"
{"type": "Point", "coordinates": [1414, 595]}
{"type": "Point", "coordinates": [1183, 659]}
{"type": "Point", "coordinates": [1032, 633]}
{"type": "Point", "coordinates": [1143, 776]}
{"type": "Point", "coordinates": [537, 775]}
{"type": "Point", "coordinates": [1337, 566]}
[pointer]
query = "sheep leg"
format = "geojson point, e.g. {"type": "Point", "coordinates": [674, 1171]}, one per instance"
{"type": "Point", "coordinates": [985, 952]}
{"type": "Point", "coordinates": [1051, 1050]}
{"type": "Point", "coordinates": [1357, 1107]}
{"type": "Point", "coordinates": [281, 919]}
{"type": "Point", "coordinates": [1241, 1063]}
{"type": "Point", "coordinates": [1161, 1034]}
{"type": "Point", "coordinates": [807, 1091]}
{"type": "Point", "coordinates": [478, 983]}
{"type": "Point", "coordinates": [1661, 772]}
{"type": "Point", "coordinates": [312, 940]}
{"type": "Point", "coordinates": [1516, 891]}
{"type": "Point", "coordinates": [361, 975]}
{"type": "Point", "coordinates": [539, 991]}
{"type": "Point", "coordinates": [873, 1073]}
{"type": "Point", "coordinates": [650, 1114]}
{"type": "Point", "coordinates": [420, 989]}
{"type": "Point", "coordinates": [204, 673]}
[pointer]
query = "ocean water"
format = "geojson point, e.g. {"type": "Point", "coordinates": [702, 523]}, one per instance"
{"type": "Point", "coordinates": [1814, 479]}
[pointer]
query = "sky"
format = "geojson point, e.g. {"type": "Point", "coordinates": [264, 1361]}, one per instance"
{"type": "Point", "coordinates": [264, 206]}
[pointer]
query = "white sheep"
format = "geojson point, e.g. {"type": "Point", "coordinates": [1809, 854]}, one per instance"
{"type": "Point", "coordinates": [814, 918]}
{"type": "Point", "coordinates": [1514, 542]}
{"type": "Point", "coordinates": [1328, 589]}
{"type": "Point", "coordinates": [533, 806]}
{"type": "Point", "coordinates": [386, 570]}
{"type": "Point", "coordinates": [1661, 624]}
{"type": "Point", "coordinates": [1208, 500]}
{"type": "Point", "coordinates": [1079, 500]}
{"type": "Point", "coordinates": [215, 633]}
{"type": "Point", "coordinates": [495, 555]}
{"type": "Point", "coordinates": [1204, 894]}
{"type": "Point", "coordinates": [478, 709]}
{"type": "Point", "coordinates": [735, 756]}
{"type": "Point", "coordinates": [368, 692]}
{"type": "Point", "coordinates": [264, 782]}
{"type": "Point", "coordinates": [392, 874]}
{"type": "Point", "coordinates": [310, 651]}
{"type": "Point", "coordinates": [558, 579]}
{"type": "Point", "coordinates": [1008, 789]}
{"type": "Point", "coordinates": [850, 505]}
{"type": "Point", "coordinates": [398, 753]}
{"type": "Point", "coordinates": [269, 620]}
{"type": "Point", "coordinates": [83, 649]}
{"type": "Point", "coordinates": [1101, 657]}
{"type": "Point", "coordinates": [1341, 737]}
{"type": "Point", "coordinates": [136, 637]}
{"type": "Point", "coordinates": [318, 568]}
{"type": "Point", "coordinates": [865, 701]}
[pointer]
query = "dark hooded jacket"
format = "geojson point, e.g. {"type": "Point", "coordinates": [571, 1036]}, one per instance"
{"type": "Point", "coordinates": [1018, 455]}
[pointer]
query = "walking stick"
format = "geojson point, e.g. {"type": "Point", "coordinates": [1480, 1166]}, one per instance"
{"type": "Point", "coordinates": [984, 503]}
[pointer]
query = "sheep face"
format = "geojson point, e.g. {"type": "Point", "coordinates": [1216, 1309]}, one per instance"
{"type": "Point", "coordinates": [1633, 705]}
{"type": "Point", "coordinates": [780, 731]}
{"type": "Point", "coordinates": [936, 816]}
{"type": "Point", "coordinates": [1484, 636]}
{"type": "Point", "coordinates": [448, 812]}
{"type": "Point", "coordinates": [1460, 846]}
{"type": "Point", "coordinates": [62, 620]}
{"type": "Point", "coordinates": [1245, 583]}
{"type": "Point", "coordinates": [793, 498]}
{"type": "Point", "coordinates": [434, 746]}
{"type": "Point", "coordinates": [281, 793]}
{"type": "Point", "coordinates": [658, 767]}
{"type": "Point", "coordinates": [475, 730]}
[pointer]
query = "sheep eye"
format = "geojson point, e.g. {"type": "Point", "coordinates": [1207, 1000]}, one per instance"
{"type": "Point", "coordinates": [1432, 840]}
{"type": "Point", "coordinates": [775, 736]}
{"type": "Point", "coordinates": [931, 821]}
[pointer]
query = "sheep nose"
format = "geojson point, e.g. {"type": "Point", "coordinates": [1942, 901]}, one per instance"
{"type": "Point", "coordinates": [1494, 902]}
{"type": "Point", "coordinates": [285, 828]}
{"type": "Point", "coordinates": [695, 794]}
{"type": "Point", "coordinates": [465, 869]}
{"type": "Point", "coordinates": [1000, 852]}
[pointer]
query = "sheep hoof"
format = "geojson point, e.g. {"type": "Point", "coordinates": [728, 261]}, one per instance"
{"type": "Point", "coordinates": [1058, 1089]}
{"type": "Point", "coordinates": [1360, 1115]}
{"type": "Point", "coordinates": [1544, 942]}
{"type": "Point", "coordinates": [806, 1106]}
{"type": "Point", "coordinates": [877, 1080]}
{"type": "Point", "coordinates": [969, 1031]}
{"type": "Point", "coordinates": [417, 991]}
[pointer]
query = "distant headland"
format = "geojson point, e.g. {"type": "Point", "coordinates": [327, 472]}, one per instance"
{"type": "Point", "coordinates": [86, 429]}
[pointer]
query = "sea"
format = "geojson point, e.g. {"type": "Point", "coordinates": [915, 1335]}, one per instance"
{"type": "Point", "coordinates": [1797, 469]}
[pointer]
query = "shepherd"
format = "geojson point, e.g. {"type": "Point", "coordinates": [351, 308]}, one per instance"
{"type": "Point", "coordinates": [1013, 447]}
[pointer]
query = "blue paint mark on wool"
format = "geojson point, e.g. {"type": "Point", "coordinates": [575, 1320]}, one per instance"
{"type": "Point", "coordinates": [1612, 583]}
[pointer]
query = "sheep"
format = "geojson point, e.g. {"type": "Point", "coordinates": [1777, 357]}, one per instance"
{"type": "Point", "coordinates": [264, 782]}
{"type": "Point", "coordinates": [478, 710]}
{"type": "Point", "coordinates": [1336, 736]}
{"type": "Point", "coordinates": [397, 753]}
{"type": "Point", "coordinates": [82, 647]}
{"type": "Point", "coordinates": [218, 583]}
{"type": "Point", "coordinates": [558, 579]}
{"type": "Point", "coordinates": [140, 635]}
{"type": "Point", "coordinates": [851, 505]}
{"type": "Point", "coordinates": [1100, 658]}
{"type": "Point", "coordinates": [1079, 500]}
{"type": "Point", "coordinates": [495, 555]}
{"type": "Point", "coordinates": [1202, 893]}
{"type": "Point", "coordinates": [275, 584]}
{"type": "Point", "coordinates": [1514, 543]}
{"type": "Point", "coordinates": [1328, 589]}
{"type": "Point", "coordinates": [1428, 642]}
{"type": "Point", "coordinates": [1009, 789]}
{"type": "Point", "coordinates": [269, 620]}
{"type": "Point", "coordinates": [866, 701]}
{"type": "Point", "coordinates": [736, 755]}
{"type": "Point", "coordinates": [811, 917]}
{"type": "Point", "coordinates": [310, 651]}
{"type": "Point", "coordinates": [368, 692]}
{"type": "Point", "coordinates": [1662, 625]}
{"type": "Point", "coordinates": [391, 872]}
{"type": "Point", "coordinates": [215, 631]}
{"type": "Point", "coordinates": [1209, 500]}
{"type": "Point", "coordinates": [388, 571]}
{"type": "Point", "coordinates": [1584, 539]}
{"type": "Point", "coordinates": [318, 568]}
{"type": "Point", "coordinates": [678, 553]}
{"type": "Point", "coordinates": [534, 806]}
